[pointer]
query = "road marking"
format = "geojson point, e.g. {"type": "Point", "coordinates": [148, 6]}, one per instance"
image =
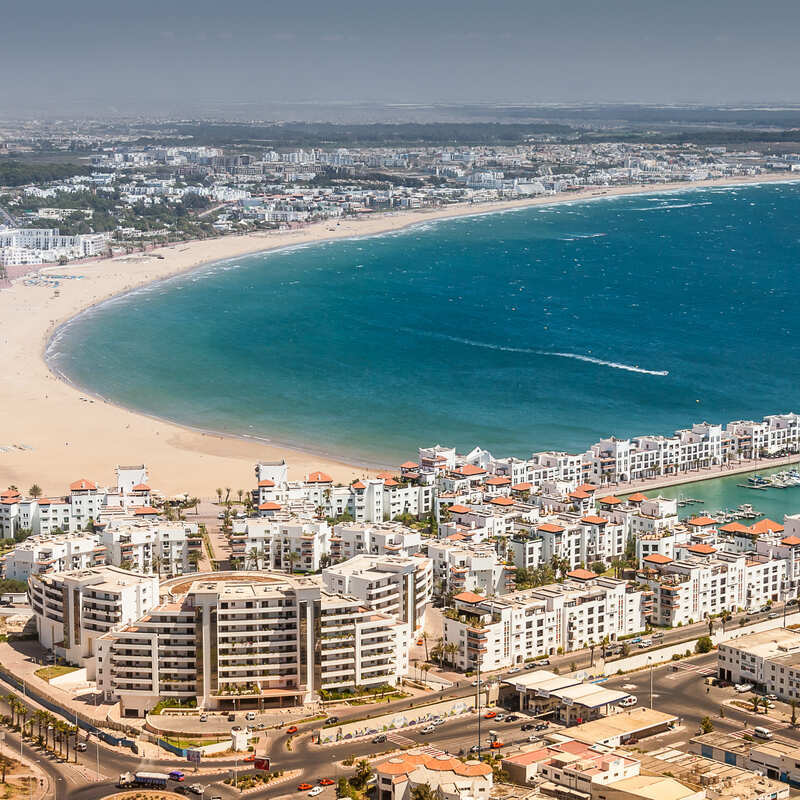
{"type": "Point", "coordinates": [399, 740]}
{"type": "Point", "coordinates": [740, 734]}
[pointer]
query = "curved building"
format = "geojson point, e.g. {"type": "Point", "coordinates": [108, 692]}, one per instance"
{"type": "Point", "coordinates": [249, 640]}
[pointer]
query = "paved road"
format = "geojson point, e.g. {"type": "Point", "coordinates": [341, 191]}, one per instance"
{"type": "Point", "coordinates": [680, 689]}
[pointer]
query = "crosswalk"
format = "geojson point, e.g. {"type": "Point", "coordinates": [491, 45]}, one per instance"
{"type": "Point", "coordinates": [740, 734]}
{"type": "Point", "coordinates": [680, 667]}
{"type": "Point", "coordinates": [400, 740]}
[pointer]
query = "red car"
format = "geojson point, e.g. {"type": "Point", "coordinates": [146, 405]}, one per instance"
{"type": "Point", "coordinates": [490, 715]}
{"type": "Point", "coordinates": [292, 729]}
{"type": "Point", "coordinates": [304, 787]}
{"type": "Point", "coordinates": [251, 757]}
{"type": "Point", "coordinates": [326, 782]}
{"type": "Point", "coordinates": [497, 745]}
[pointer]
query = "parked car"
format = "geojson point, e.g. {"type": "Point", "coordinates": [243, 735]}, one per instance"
{"type": "Point", "coordinates": [429, 729]}
{"type": "Point", "coordinates": [512, 718]}
{"type": "Point", "coordinates": [315, 791]}
{"type": "Point", "coordinates": [658, 635]}
{"type": "Point", "coordinates": [528, 726]}
{"type": "Point", "coordinates": [497, 744]}
{"type": "Point", "coordinates": [513, 670]}
{"type": "Point", "coordinates": [533, 738]}
{"type": "Point", "coordinates": [644, 643]}
{"type": "Point", "coordinates": [743, 687]}
{"type": "Point", "coordinates": [379, 739]}
{"type": "Point", "coordinates": [543, 662]}
{"type": "Point", "coordinates": [326, 782]}
{"type": "Point", "coordinates": [250, 716]}
{"type": "Point", "coordinates": [542, 726]}
{"type": "Point", "coordinates": [204, 718]}
{"type": "Point", "coordinates": [490, 715]}
{"type": "Point", "coordinates": [304, 787]}
{"type": "Point", "coordinates": [81, 746]}
{"type": "Point", "coordinates": [331, 720]}
{"type": "Point", "coordinates": [231, 717]}
{"type": "Point", "coordinates": [628, 701]}
{"type": "Point", "coordinates": [176, 775]}
{"type": "Point", "coordinates": [499, 717]}
{"type": "Point", "coordinates": [772, 697]}
{"type": "Point", "coordinates": [197, 788]}
{"type": "Point", "coordinates": [291, 729]}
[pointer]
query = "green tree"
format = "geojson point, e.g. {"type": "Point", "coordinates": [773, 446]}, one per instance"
{"type": "Point", "coordinates": [793, 704]}
{"type": "Point", "coordinates": [35, 491]}
{"type": "Point", "coordinates": [423, 791]}
{"type": "Point", "coordinates": [706, 725]}
{"type": "Point", "coordinates": [704, 645]}
{"type": "Point", "coordinates": [362, 775]}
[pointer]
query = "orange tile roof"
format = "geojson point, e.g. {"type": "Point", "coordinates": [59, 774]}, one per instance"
{"type": "Point", "coordinates": [657, 558]}
{"type": "Point", "coordinates": [409, 465]}
{"type": "Point", "coordinates": [637, 497]}
{"type": "Point", "coordinates": [266, 483]}
{"type": "Point", "coordinates": [582, 574]}
{"type": "Point", "coordinates": [592, 520]}
{"type": "Point", "coordinates": [457, 509]}
{"type": "Point", "coordinates": [701, 549]}
{"type": "Point", "coordinates": [9, 493]}
{"type": "Point", "coordinates": [587, 487]}
{"type": "Point", "coordinates": [385, 476]}
{"type": "Point", "coordinates": [82, 485]}
{"type": "Point", "coordinates": [390, 482]}
{"type": "Point", "coordinates": [319, 477]}
{"type": "Point", "coordinates": [497, 480]}
{"type": "Point", "coordinates": [469, 597]}
{"type": "Point", "coordinates": [270, 507]}
{"type": "Point", "coordinates": [791, 541]}
{"type": "Point", "coordinates": [145, 511]}
{"type": "Point", "coordinates": [549, 527]}
{"type": "Point", "coordinates": [579, 494]}
{"type": "Point", "coordinates": [404, 763]}
{"type": "Point", "coordinates": [735, 527]}
{"type": "Point", "coordinates": [357, 485]}
{"type": "Point", "coordinates": [766, 525]}
{"type": "Point", "coordinates": [701, 522]}
{"type": "Point", "coordinates": [141, 487]}
{"type": "Point", "coordinates": [609, 500]}
{"type": "Point", "coordinates": [521, 487]}
{"type": "Point", "coordinates": [502, 501]}
{"type": "Point", "coordinates": [469, 470]}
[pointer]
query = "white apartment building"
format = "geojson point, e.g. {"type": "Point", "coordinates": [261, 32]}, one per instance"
{"type": "Point", "coordinates": [18, 245]}
{"type": "Point", "coordinates": [281, 542]}
{"type": "Point", "coordinates": [384, 538]}
{"type": "Point", "coordinates": [151, 547]}
{"type": "Point", "coordinates": [459, 567]}
{"type": "Point", "coordinates": [74, 609]}
{"type": "Point", "coordinates": [257, 640]}
{"type": "Point", "coordinates": [47, 554]}
{"type": "Point", "coordinates": [770, 660]}
{"type": "Point", "coordinates": [369, 500]}
{"type": "Point", "coordinates": [514, 628]}
{"type": "Point", "coordinates": [395, 585]}
{"type": "Point", "coordinates": [702, 581]}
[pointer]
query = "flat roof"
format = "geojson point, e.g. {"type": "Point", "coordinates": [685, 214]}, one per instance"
{"type": "Point", "coordinates": [590, 695]}
{"type": "Point", "coordinates": [766, 644]}
{"type": "Point", "coordinates": [654, 787]}
{"type": "Point", "coordinates": [541, 680]}
{"type": "Point", "coordinates": [625, 723]}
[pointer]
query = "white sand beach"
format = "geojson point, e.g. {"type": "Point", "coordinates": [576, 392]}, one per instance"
{"type": "Point", "coordinates": [53, 434]}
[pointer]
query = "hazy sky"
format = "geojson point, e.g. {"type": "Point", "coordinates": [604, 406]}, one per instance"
{"type": "Point", "coordinates": [173, 55]}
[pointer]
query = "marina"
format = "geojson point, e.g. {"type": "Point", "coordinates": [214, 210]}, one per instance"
{"type": "Point", "coordinates": [731, 498]}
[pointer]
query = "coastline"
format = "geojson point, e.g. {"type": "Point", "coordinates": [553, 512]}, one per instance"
{"type": "Point", "coordinates": [72, 434]}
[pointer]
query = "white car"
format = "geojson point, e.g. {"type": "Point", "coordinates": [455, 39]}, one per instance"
{"type": "Point", "coordinates": [513, 670]}
{"type": "Point", "coordinates": [429, 729]}
{"type": "Point", "coordinates": [629, 701]}
{"type": "Point", "coordinates": [315, 791]}
{"type": "Point", "coordinates": [743, 687]}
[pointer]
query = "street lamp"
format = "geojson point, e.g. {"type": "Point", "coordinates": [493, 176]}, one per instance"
{"type": "Point", "coordinates": [650, 661]}
{"type": "Point", "coordinates": [478, 704]}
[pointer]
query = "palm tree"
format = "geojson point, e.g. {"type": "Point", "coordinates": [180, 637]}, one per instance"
{"type": "Point", "coordinates": [35, 491]}
{"type": "Point", "coordinates": [40, 717]}
{"type": "Point", "coordinates": [219, 495]}
{"type": "Point", "coordinates": [240, 493]}
{"type": "Point", "coordinates": [24, 711]}
{"type": "Point", "coordinates": [756, 704]}
{"type": "Point", "coordinates": [253, 557]}
{"type": "Point", "coordinates": [291, 556]}
{"type": "Point", "coordinates": [157, 563]}
{"type": "Point", "coordinates": [227, 496]}
{"type": "Point", "coordinates": [11, 700]}
{"type": "Point", "coordinates": [452, 649]}
{"type": "Point", "coordinates": [425, 642]}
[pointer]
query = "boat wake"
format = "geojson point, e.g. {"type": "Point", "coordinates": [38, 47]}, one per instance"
{"type": "Point", "coordinates": [552, 353]}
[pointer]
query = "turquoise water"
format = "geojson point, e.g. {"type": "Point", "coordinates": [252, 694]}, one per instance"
{"type": "Point", "coordinates": [724, 494]}
{"type": "Point", "coordinates": [542, 328]}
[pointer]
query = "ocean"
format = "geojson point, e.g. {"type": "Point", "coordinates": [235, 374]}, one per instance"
{"type": "Point", "coordinates": [541, 328]}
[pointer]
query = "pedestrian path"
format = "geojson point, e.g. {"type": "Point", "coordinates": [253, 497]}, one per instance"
{"type": "Point", "coordinates": [740, 734]}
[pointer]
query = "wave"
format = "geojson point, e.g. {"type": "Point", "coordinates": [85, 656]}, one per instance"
{"type": "Point", "coordinates": [674, 205]}
{"type": "Point", "coordinates": [552, 353]}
